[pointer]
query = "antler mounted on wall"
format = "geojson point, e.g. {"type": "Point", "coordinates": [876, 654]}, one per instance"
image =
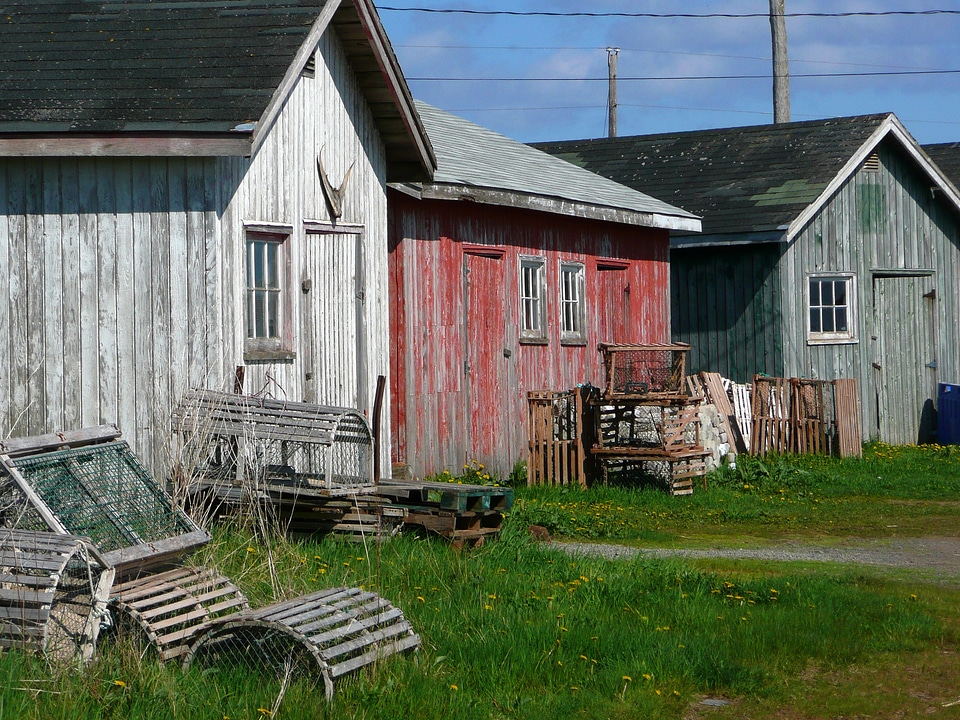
{"type": "Point", "coordinates": [333, 194]}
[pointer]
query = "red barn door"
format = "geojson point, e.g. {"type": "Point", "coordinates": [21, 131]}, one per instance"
{"type": "Point", "coordinates": [485, 368]}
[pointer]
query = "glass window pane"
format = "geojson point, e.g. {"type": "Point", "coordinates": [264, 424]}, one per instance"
{"type": "Point", "coordinates": [841, 317]}
{"type": "Point", "coordinates": [814, 320]}
{"type": "Point", "coordinates": [814, 293]}
{"type": "Point", "coordinates": [271, 261]}
{"type": "Point", "coordinates": [827, 320]}
{"type": "Point", "coordinates": [840, 292]}
{"type": "Point", "coordinates": [260, 303]}
{"type": "Point", "coordinates": [826, 293]}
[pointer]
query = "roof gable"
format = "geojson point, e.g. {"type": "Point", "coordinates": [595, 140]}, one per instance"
{"type": "Point", "coordinates": [478, 164]}
{"type": "Point", "coordinates": [762, 181]}
{"type": "Point", "coordinates": [189, 67]}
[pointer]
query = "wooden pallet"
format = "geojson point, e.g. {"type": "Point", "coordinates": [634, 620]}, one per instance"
{"type": "Point", "coordinates": [302, 511]}
{"type": "Point", "coordinates": [327, 635]}
{"type": "Point", "coordinates": [171, 609]}
{"type": "Point", "coordinates": [460, 513]}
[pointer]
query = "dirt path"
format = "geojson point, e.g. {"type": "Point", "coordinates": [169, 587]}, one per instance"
{"type": "Point", "coordinates": [936, 557]}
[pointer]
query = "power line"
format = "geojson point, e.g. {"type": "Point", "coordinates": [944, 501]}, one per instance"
{"type": "Point", "coordinates": [734, 16]}
{"type": "Point", "coordinates": [647, 50]}
{"type": "Point", "coordinates": [891, 73]}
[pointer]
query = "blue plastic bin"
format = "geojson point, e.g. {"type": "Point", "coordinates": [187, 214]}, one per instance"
{"type": "Point", "coordinates": [948, 414]}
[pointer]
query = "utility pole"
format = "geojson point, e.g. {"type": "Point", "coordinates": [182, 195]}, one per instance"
{"type": "Point", "coordinates": [612, 53]}
{"type": "Point", "coordinates": [781, 70]}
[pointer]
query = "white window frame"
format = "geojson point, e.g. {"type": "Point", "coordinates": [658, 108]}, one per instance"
{"type": "Point", "coordinates": [532, 296]}
{"type": "Point", "coordinates": [267, 303]}
{"type": "Point", "coordinates": [572, 302]}
{"type": "Point", "coordinates": [828, 309]}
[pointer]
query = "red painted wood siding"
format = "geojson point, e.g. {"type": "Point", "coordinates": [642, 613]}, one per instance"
{"type": "Point", "coordinates": [446, 413]}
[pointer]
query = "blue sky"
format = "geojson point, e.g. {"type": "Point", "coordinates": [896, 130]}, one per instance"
{"type": "Point", "coordinates": [452, 45]}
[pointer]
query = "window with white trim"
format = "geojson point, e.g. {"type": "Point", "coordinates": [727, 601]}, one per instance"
{"type": "Point", "coordinates": [267, 305]}
{"type": "Point", "coordinates": [572, 303]}
{"type": "Point", "coordinates": [532, 294]}
{"type": "Point", "coordinates": [831, 305]}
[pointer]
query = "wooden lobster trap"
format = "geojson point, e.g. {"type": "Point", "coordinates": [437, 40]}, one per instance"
{"type": "Point", "coordinates": [233, 440]}
{"type": "Point", "coordinates": [323, 636]}
{"type": "Point", "coordinates": [644, 371]}
{"type": "Point", "coordinates": [53, 594]}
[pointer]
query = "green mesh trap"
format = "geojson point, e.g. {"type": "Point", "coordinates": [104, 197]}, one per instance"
{"type": "Point", "coordinates": [99, 491]}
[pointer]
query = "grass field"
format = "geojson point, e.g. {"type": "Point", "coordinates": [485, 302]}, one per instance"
{"type": "Point", "coordinates": [517, 629]}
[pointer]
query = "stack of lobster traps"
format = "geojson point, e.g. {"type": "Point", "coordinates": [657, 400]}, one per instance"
{"type": "Point", "coordinates": [88, 534]}
{"type": "Point", "coordinates": [647, 426]}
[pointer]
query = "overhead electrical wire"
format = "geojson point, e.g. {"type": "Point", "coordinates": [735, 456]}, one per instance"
{"type": "Point", "coordinates": [886, 73]}
{"type": "Point", "coordinates": [734, 16]}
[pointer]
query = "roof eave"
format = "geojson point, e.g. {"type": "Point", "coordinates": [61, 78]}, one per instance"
{"type": "Point", "coordinates": [416, 161]}
{"type": "Point", "coordinates": [559, 206]}
{"type": "Point", "coordinates": [140, 144]}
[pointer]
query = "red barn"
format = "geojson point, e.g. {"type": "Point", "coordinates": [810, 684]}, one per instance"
{"type": "Point", "coordinates": [505, 273]}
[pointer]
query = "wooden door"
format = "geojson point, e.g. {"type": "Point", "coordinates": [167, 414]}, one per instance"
{"type": "Point", "coordinates": [905, 364]}
{"type": "Point", "coordinates": [485, 367]}
{"type": "Point", "coordinates": [613, 311]}
{"type": "Point", "coordinates": [333, 320]}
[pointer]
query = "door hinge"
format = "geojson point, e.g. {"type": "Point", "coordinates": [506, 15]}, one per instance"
{"type": "Point", "coordinates": [932, 365]}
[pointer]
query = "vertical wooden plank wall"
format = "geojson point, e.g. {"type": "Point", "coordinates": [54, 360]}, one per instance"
{"type": "Point", "coordinates": [86, 295]}
{"type": "Point", "coordinates": [124, 277]}
{"type": "Point", "coordinates": [887, 220]}
{"type": "Point", "coordinates": [725, 303]}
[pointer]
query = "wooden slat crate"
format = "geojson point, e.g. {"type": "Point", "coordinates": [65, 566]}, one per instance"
{"type": "Point", "coordinates": [771, 416]}
{"type": "Point", "coordinates": [555, 438]}
{"type": "Point", "coordinates": [323, 636]}
{"type": "Point", "coordinates": [847, 414]}
{"type": "Point", "coordinates": [171, 609]}
{"type": "Point", "coordinates": [53, 594]}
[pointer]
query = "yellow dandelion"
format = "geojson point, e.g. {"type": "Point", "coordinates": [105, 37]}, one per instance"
{"type": "Point", "coordinates": [647, 676]}
{"type": "Point", "coordinates": [420, 598]}
{"type": "Point", "coordinates": [265, 712]}
{"type": "Point", "coordinates": [119, 683]}
{"type": "Point", "coordinates": [454, 687]}
{"type": "Point", "coordinates": [627, 678]}
{"type": "Point", "coordinates": [251, 550]}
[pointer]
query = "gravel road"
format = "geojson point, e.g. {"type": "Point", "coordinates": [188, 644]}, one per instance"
{"type": "Point", "coordinates": [936, 557]}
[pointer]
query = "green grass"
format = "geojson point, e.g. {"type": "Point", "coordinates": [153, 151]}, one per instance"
{"type": "Point", "coordinates": [905, 491]}
{"type": "Point", "coordinates": [516, 629]}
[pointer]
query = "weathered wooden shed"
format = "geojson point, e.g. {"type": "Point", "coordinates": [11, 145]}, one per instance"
{"type": "Point", "coordinates": [189, 187]}
{"type": "Point", "coordinates": [505, 274]}
{"type": "Point", "coordinates": [829, 250]}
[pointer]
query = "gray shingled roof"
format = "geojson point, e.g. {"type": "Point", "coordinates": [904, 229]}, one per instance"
{"type": "Point", "coordinates": [77, 65]}
{"type": "Point", "coordinates": [947, 158]}
{"type": "Point", "coordinates": [739, 180]}
{"type": "Point", "coordinates": [472, 157]}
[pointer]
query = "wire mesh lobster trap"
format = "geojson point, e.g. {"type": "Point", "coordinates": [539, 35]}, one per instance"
{"type": "Point", "coordinates": [53, 594]}
{"type": "Point", "coordinates": [646, 371]}
{"type": "Point", "coordinates": [325, 636]}
{"type": "Point", "coordinates": [90, 483]}
{"type": "Point", "coordinates": [233, 439]}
